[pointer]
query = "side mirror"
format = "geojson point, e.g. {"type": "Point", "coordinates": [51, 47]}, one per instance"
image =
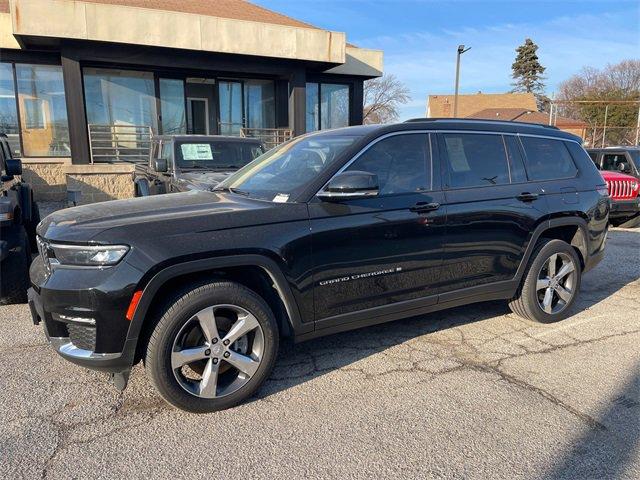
{"type": "Point", "coordinates": [350, 185]}
{"type": "Point", "coordinates": [624, 167]}
{"type": "Point", "coordinates": [13, 166]}
{"type": "Point", "coordinates": [160, 165]}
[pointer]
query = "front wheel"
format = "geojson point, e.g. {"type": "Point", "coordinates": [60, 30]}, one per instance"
{"type": "Point", "coordinates": [550, 284]}
{"type": "Point", "coordinates": [213, 347]}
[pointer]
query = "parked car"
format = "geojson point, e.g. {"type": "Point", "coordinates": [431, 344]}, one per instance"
{"type": "Point", "coordinates": [624, 191]}
{"type": "Point", "coordinates": [617, 159]}
{"type": "Point", "coordinates": [331, 231]}
{"type": "Point", "coordinates": [185, 162]}
{"type": "Point", "coordinates": [19, 216]}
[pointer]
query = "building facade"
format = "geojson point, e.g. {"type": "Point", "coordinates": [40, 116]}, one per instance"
{"type": "Point", "coordinates": [84, 84]}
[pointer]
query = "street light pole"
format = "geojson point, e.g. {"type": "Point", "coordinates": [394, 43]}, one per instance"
{"type": "Point", "coordinates": [461, 50]}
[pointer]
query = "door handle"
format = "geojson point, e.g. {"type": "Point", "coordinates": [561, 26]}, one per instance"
{"type": "Point", "coordinates": [422, 207]}
{"type": "Point", "coordinates": [527, 197]}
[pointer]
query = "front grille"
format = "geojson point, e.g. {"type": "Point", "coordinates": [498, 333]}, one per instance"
{"type": "Point", "coordinates": [621, 189]}
{"type": "Point", "coordinates": [43, 250]}
{"type": "Point", "coordinates": [82, 337]}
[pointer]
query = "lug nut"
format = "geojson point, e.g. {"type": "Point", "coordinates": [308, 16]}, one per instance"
{"type": "Point", "coordinates": [215, 340]}
{"type": "Point", "coordinates": [226, 342]}
{"type": "Point", "coordinates": [207, 352]}
{"type": "Point", "coordinates": [215, 360]}
{"type": "Point", "coordinates": [226, 354]}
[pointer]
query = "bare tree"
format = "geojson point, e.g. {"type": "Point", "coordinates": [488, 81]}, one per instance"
{"type": "Point", "coordinates": [382, 99]}
{"type": "Point", "coordinates": [612, 83]}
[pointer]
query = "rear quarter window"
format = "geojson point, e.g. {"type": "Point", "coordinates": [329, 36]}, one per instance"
{"type": "Point", "coordinates": [548, 159]}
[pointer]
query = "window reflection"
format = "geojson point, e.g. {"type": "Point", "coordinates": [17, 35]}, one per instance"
{"type": "Point", "coordinates": [43, 110]}
{"type": "Point", "coordinates": [8, 113]}
{"type": "Point", "coordinates": [172, 106]}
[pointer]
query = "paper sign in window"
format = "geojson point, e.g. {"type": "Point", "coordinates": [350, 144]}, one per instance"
{"type": "Point", "coordinates": [196, 151]}
{"type": "Point", "coordinates": [457, 157]}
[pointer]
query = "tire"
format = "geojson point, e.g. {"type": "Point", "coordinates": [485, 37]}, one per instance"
{"type": "Point", "coordinates": [31, 226]}
{"type": "Point", "coordinates": [633, 222]}
{"type": "Point", "coordinates": [531, 298]}
{"type": "Point", "coordinates": [14, 271]}
{"type": "Point", "coordinates": [185, 326]}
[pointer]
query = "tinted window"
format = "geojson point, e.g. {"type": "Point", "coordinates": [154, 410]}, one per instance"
{"type": "Point", "coordinates": [402, 163]}
{"type": "Point", "coordinates": [612, 162]}
{"type": "Point", "coordinates": [594, 157]}
{"type": "Point", "coordinates": [475, 159]}
{"type": "Point", "coordinates": [215, 154]}
{"type": "Point", "coordinates": [548, 159]}
{"type": "Point", "coordinates": [516, 162]}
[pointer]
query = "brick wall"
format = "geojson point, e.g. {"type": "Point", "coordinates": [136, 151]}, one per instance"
{"type": "Point", "coordinates": [51, 178]}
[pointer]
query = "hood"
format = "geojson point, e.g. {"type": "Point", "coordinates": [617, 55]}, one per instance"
{"type": "Point", "coordinates": [201, 180]}
{"type": "Point", "coordinates": [161, 215]}
{"type": "Point", "coordinates": [609, 175]}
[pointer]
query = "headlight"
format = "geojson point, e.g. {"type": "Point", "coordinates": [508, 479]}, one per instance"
{"type": "Point", "coordinates": [89, 256]}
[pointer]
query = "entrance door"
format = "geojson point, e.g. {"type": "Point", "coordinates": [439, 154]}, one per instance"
{"type": "Point", "coordinates": [231, 107]}
{"type": "Point", "coordinates": [198, 116]}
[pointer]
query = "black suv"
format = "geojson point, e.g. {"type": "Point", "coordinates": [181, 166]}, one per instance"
{"type": "Point", "coordinates": [19, 216]}
{"type": "Point", "coordinates": [331, 231]}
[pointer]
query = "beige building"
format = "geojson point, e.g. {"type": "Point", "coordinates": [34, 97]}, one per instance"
{"type": "Point", "coordinates": [84, 84]}
{"type": "Point", "coordinates": [441, 106]}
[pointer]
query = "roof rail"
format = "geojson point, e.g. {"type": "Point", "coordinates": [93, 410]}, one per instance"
{"type": "Point", "coordinates": [478, 120]}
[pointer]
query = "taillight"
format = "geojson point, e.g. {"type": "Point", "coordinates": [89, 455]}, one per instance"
{"type": "Point", "coordinates": [602, 190]}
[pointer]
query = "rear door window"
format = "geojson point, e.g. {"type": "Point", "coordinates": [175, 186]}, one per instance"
{"type": "Point", "coordinates": [547, 159]}
{"type": "Point", "coordinates": [475, 160]}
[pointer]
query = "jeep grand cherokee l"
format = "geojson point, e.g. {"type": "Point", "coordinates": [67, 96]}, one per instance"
{"type": "Point", "coordinates": [331, 231]}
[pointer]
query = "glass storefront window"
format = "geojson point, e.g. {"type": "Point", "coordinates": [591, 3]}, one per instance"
{"type": "Point", "coordinates": [8, 113]}
{"type": "Point", "coordinates": [172, 106]}
{"type": "Point", "coordinates": [313, 107]}
{"type": "Point", "coordinates": [327, 106]}
{"type": "Point", "coordinates": [259, 104]}
{"type": "Point", "coordinates": [334, 106]}
{"type": "Point", "coordinates": [120, 97]}
{"type": "Point", "coordinates": [230, 103]}
{"type": "Point", "coordinates": [43, 111]}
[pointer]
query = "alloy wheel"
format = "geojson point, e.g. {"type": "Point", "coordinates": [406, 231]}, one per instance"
{"type": "Point", "coordinates": [217, 351]}
{"type": "Point", "coordinates": [556, 283]}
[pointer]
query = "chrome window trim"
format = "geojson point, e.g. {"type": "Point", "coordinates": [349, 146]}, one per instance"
{"type": "Point", "coordinates": [429, 132]}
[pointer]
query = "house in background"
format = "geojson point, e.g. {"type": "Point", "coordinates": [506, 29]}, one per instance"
{"type": "Point", "coordinates": [441, 106]}
{"type": "Point", "coordinates": [577, 127]}
{"type": "Point", "coordinates": [84, 83]}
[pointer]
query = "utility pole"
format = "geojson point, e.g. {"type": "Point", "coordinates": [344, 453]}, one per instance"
{"type": "Point", "coordinates": [461, 50]}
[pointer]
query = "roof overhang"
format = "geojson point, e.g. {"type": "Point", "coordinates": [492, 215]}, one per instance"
{"type": "Point", "coordinates": [74, 19]}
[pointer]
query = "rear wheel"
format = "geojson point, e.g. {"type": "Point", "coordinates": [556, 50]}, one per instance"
{"type": "Point", "coordinates": [550, 284]}
{"type": "Point", "coordinates": [213, 347]}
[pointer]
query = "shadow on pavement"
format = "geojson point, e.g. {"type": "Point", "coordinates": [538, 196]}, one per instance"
{"type": "Point", "coordinates": [608, 452]}
{"type": "Point", "coordinates": [298, 363]}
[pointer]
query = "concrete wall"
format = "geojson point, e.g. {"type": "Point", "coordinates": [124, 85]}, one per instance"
{"type": "Point", "coordinates": [51, 178]}
{"type": "Point", "coordinates": [139, 26]}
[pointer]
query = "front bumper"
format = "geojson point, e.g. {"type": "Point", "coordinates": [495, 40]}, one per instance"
{"type": "Point", "coordinates": [83, 315]}
{"type": "Point", "coordinates": [625, 209]}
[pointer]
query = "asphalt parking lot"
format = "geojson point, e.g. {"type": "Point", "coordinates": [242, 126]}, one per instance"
{"type": "Point", "coordinates": [472, 392]}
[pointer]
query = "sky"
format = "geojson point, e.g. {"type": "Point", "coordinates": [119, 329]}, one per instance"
{"type": "Point", "coordinates": [419, 38]}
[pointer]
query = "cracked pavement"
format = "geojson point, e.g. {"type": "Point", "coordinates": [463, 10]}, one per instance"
{"type": "Point", "coordinates": [470, 392]}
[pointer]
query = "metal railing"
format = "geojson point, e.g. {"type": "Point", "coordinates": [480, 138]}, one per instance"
{"type": "Point", "coordinates": [270, 137]}
{"type": "Point", "coordinates": [119, 143]}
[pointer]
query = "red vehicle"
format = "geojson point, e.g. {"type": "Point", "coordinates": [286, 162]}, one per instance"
{"type": "Point", "coordinates": [624, 191]}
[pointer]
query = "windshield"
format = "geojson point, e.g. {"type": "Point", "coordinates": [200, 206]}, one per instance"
{"type": "Point", "coordinates": [280, 172]}
{"type": "Point", "coordinates": [215, 154]}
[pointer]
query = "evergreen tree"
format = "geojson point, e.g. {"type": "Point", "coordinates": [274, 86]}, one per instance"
{"type": "Point", "coordinates": [527, 71]}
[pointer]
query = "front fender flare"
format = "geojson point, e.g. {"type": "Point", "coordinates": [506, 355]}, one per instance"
{"type": "Point", "coordinates": [267, 264]}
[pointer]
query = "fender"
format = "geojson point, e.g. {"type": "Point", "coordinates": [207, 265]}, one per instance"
{"type": "Point", "coordinates": [143, 187]}
{"type": "Point", "coordinates": [268, 265]}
